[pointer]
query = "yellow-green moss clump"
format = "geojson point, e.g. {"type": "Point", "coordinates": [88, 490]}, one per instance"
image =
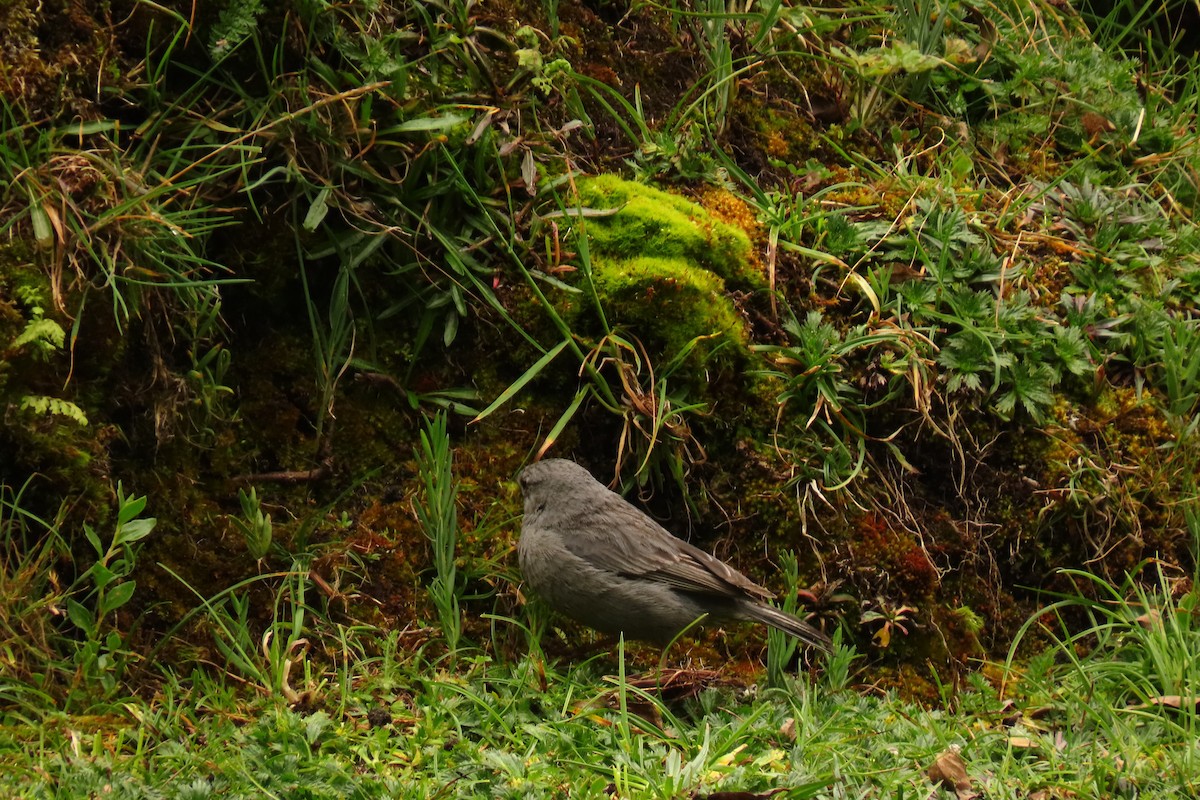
{"type": "Point", "coordinates": [668, 302]}
{"type": "Point", "coordinates": [652, 222]}
{"type": "Point", "coordinates": [660, 266]}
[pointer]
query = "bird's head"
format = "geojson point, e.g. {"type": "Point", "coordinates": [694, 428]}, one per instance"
{"type": "Point", "coordinates": [552, 477]}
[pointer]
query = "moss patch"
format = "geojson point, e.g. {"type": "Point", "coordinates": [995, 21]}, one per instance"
{"type": "Point", "coordinates": [661, 268]}
{"type": "Point", "coordinates": [658, 223]}
{"type": "Point", "coordinates": [668, 304]}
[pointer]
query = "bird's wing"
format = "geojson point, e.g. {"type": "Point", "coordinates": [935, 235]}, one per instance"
{"type": "Point", "coordinates": [635, 545]}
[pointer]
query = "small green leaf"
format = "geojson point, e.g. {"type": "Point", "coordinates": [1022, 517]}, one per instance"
{"type": "Point", "coordinates": [451, 329]}
{"type": "Point", "coordinates": [130, 508]}
{"type": "Point", "coordinates": [249, 501]}
{"type": "Point", "coordinates": [441, 123]}
{"type": "Point", "coordinates": [317, 210]}
{"type": "Point", "coordinates": [135, 530]}
{"type": "Point", "coordinates": [102, 576]}
{"type": "Point", "coordinates": [89, 128]}
{"type": "Point", "coordinates": [119, 596]}
{"type": "Point", "coordinates": [43, 232]}
{"type": "Point", "coordinates": [81, 617]}
{"type": "Point", "coordinates": [555, 282]}
{"type": "Point", "coordinates": [93, 539]}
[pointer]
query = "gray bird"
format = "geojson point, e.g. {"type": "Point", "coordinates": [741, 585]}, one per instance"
{"type": "Point", "coordinates": [597, 559]}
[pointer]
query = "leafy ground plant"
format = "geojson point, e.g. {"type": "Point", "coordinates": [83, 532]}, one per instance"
{"type": "Point", "coordinates": [102, 590]}
{"type": "Point", "coordinates": [437, 511]}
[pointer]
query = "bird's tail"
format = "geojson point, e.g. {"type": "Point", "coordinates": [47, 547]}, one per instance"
{"type": "Point", "coordinates": [794, 626]}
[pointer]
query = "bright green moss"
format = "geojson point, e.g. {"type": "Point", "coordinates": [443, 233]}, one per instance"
{"type": "Point", "coordinates": [656, 223]}
{"type": "Point", "coordinates": [667, 303]}
{"type": "Point", "coordinates": [660, 265]}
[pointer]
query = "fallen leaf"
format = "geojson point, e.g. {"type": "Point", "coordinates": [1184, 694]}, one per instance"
{"type": "Point", "coordinates": [788, 728]}
{"type": "Point", "coordinates": [1173, 701]}
{"type": "Point", "coordinates": [950, 771]}
{"type": "Point", "coordinates": [1150, 620]}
